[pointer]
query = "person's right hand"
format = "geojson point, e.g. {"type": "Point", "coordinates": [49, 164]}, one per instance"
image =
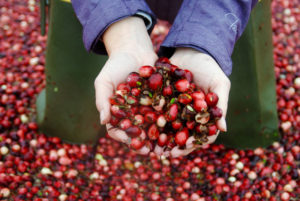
{"type": "Point", "coordinates": [129, 47]}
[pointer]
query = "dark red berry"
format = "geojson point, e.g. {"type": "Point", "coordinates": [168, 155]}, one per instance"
{"type": "Point", "coordinates": [188, 75]}
{"type": "Point", "coordinates": [136, 143]}
{"type": "Point", "coordinates": [117, 112]}
{"type": "Point", "coordinates": [211, 99]}
{"type": "Point", "coordinates": [172, 113]}
{"type": "Point", "coordinates": [198, 95]}
{"type": "Point", "coordinates": [155, 81]}
{"type": "Point", "coordinates": [190, 124]}
{"type": "Point", "coordinates": [125, 124]}
{"type": "Point", "coordinates": [153, 132]}
{"type": "Point", "coordinates": [162, 140]}
{"type": "Point", "coordinates": [212, 129]}
{"type": "Point", "coordinates": [150, 117]}
{"type": "Point", "coordinates": [117, 100]}
{"type": "Point", "coordinates": [179, 73]}
{"type": "Point", "coordinates": [182, 85]}
{"type": "Point", "coordinates": [163, 60]}
{"type": "Point", "coordinates": [176, 125]}
{"type": "Point", "coordinates": [200, 105]}
{"type": "Point", "coordinates": [136, 91]}
{"type": "Point", "coordinates": [216, 112]}
{"type": "Point", "coordinates": [181, 137]}
{"type": "Point", "coordinates": [144, 109]}
{"type": "Point", "coordinates": [114, 121]}
{"type": "Point", "coordinates": [124, 86]}
{"type": "Point", "coordinates": [146, 71]}
{"type": "Point", "coordinates": [184, 98]}
{"type": "Point", "coordinates": [167, 91]}
{"type": "Point", "coordinates": [133, 131]}
{"type": "Point", "coordinates": [134, 79]}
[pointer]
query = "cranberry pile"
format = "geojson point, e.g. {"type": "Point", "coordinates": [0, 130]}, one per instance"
{"type": "Point", "coordinates": [36, 167]}
{"type": "Point", "coordinates": [160, 105]}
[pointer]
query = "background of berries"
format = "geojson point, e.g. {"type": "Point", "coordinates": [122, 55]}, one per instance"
{"type": "Point", "coordinates": [34, 166]}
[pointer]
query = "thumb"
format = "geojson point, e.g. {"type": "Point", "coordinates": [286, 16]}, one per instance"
{"type": "Point", "coordinates": [222, 89]}
{"type": "Point", "coordinates": [103, 89]}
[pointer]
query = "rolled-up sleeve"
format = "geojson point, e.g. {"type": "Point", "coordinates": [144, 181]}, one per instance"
{"type": "Point", "coordinates": [210, 26]}
{"type": "Point", "coordinates": [97, 15]}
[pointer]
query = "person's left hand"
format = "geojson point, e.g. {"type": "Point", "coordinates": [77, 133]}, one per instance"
{"type": "Point", "coordinates": [209, 77]}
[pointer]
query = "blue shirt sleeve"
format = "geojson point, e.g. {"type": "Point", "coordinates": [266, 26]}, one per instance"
{"type": "Point", "coordinates": [97, 15]}
{"type": "Point", "coordinates": [210, 26]}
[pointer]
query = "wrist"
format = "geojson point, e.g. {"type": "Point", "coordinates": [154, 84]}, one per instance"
{"type": "Point", "coordinates": [127, 35]}
{"type": "Point", "coordinates": [183, 54]}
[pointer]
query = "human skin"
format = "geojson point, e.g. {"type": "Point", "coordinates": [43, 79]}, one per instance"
{"type": "Point", "coordinates": [129, 46]}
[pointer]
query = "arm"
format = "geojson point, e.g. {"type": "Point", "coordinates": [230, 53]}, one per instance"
{"type": "Point", "coordinates": [128, 46]}
{"type": "Point", "coordinates": [211, 27]}
{"type": "Point", "coordinates": [202, 39]}
{"type": "Point", "coordinates": [109, 26]}
{"type": "Point", "coordinates": [97, 15]}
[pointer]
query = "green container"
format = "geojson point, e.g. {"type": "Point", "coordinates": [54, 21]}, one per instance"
{"type": "Point", "coordinates": [66, 108]}
{"type": "Point", "coordinates": [252, 115]}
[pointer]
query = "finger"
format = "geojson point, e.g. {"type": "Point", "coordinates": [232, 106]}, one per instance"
{"type": "Point", "coordinates": [221, 124]}
{"type": "Point", "coordinates": [143, 151]}
{"type": "Point", "coordinates": [117, 134]}
{"type": "Point", "coordinates": [222, 90]}
{"type": "Point", "coordinates": [104, 90]}
{"type": "Point", "coordinates": [176, 151]}
{"type": "Point", "coordinates": [190, 143]}
{"type": "Point", "coordinates": [158, 150]}
{"type": "Point", "coordinates": [211, 139]}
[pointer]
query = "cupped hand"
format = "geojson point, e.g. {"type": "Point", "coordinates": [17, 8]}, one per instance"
{"type": "Point", "coordinates": [210, 78]}
{"type": "Point", "coordinates": [129, 47]}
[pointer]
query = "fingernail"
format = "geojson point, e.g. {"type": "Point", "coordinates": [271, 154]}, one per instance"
{"type": "Point", "coordinates": [225, 125]}
{"type": "Point", "coordinates": [222, 124]}
{"type": "Point", "coordinates": [101, 116]}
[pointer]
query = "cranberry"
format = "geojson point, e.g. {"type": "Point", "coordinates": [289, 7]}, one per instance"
{"type": "Point", "coordinates": [211, 99]}
{"type": "Point", "coordinates": [155, 81]}
{"type": "Point", "coordinates": [134, 79]}
{"type": "Point", "coordinates": [153, 132]}
{"type": "Point", "coordinates": [181, 137]}
{"type": "Point", "coordinates": [200, 105]}
{"type": "Point", "coordinates": [136, 143]}
{"type": "Point", "coordinates": [133, 131]}
{"type": "Point", "coordinates": [182, 85]}
{"type": "Point", "coordinates": [146, 71]}
{"type": "Point", "coordinates": [162, 139]}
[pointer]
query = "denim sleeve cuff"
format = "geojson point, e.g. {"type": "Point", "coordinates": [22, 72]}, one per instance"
{"type": "Point", "coordinates": [196, 36]}
{"type": "Point", "coordinates": [147, 19]}
{"type": "Point", "coordinates": [106, 13]}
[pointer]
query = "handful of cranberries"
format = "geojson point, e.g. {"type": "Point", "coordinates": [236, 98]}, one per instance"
{"type": "Point", "coordinates": [162, 106]}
